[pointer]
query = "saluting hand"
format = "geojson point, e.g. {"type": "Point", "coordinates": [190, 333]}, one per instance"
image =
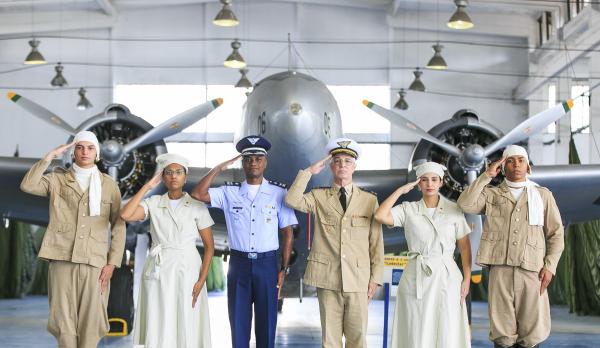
{"type": "Point", "coordinates": [223, 166]}
{"type": "Point", "coordinates": [58, 151]}
{"type": "Point", "coordinates": [318, 166]}
{"type": "Point", "coordinates": [494, 168]}
{"type": "Point", "coordinates": [156, 179]}
{"type": "Point", "coordinates": [196, 292]}
{"type": "Point", "coordinates": [406, 188]}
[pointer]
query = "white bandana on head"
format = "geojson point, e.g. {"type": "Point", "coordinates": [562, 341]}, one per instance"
{"type": "Point", "coordinates": [535, 205]}
{"type": "Point", "coordinates": [89, 177]}
{"type": "Point", "coordinates": [430, 167]}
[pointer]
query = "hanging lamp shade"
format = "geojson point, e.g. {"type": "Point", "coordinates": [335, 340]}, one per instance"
{"type": "Point", "coordinates": [235, 60]}
{"type": "Point", "coordinates": [243, 81]}
{"type": "Point", "coordinates": [59, 80]}
{"type": "Point", "coordinates": [83, 103]}
{"type": "Point", "coordinates": [34, 56]}
{"type": "Point", "coordinates": [437, 62]}
{"type": "Point", "coordinates": [460, 19]}
{"type": "Point", "coordinates": [417, 84]}
{"type": "Point", "coordinates": [226, 17]}
{"type": "Point", "coordinates": [401, 103]}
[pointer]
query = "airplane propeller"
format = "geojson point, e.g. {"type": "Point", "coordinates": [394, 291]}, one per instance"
{"type": "Point", "coordinates": [41, 112]}
{"type": "Point", "coordinates": [113, 152]}
{"type": "Point", "coordinates": [473, 157]}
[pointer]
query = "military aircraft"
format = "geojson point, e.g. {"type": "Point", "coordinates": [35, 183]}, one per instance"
{"type": "Point", "coordinates": [299, 115]}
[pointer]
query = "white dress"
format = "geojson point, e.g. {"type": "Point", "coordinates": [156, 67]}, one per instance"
{"type": "Point", "coordinates": [428, 310]}
{"type": "Point", "coordinates": [164, 316]}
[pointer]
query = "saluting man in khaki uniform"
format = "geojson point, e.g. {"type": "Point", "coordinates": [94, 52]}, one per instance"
{"type": "Point", "coordinates": [346, 260]}
{"type": "Point", "coordinates": [522, 241]}
{"type": "Point", "coordinates": [84, 206]}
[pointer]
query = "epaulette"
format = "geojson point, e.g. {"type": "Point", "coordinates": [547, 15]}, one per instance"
{"type": "Point", "coordinates": [233, 183]}
{"type": "Point", "coordinates": [321, 188]}
{"type": "Point", "coordinates": [59, 169]}
{"type": "Point", "coordinates": [277, 183]}
{"type": "Point", "coordinates": [368, 191]}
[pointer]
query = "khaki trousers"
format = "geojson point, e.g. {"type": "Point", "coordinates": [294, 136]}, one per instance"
{"type": "Point", "coordinates": [343, 313]}
{"type": "Point", "coordinates": [77, 316]}
{"type": "Point", "coordinates": [518, 314]}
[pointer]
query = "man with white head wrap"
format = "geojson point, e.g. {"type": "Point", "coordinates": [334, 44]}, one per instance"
{"type": "Point", "coordinates": [83, 204]}
{"type": "Point", "coordinates": [430, 308]}
{"type": "Point", "coordinates": [522, 241]}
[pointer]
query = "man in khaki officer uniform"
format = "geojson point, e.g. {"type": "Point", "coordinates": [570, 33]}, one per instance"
{"type": "Point", "coordinates": [346, 260]}
{"type": "Point", "coordinates": [522, 241]}
{"type": "Point", "coordinates": [83, 203]}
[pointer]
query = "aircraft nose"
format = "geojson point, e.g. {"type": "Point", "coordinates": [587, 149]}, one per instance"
{"type": "Point", "coordinates": [297, 124]}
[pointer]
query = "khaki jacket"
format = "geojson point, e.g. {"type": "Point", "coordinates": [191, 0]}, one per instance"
{"type": "Point", "coordinates": [347, 252]}
{"type": "Point", "coordinates": [507, 237]}
{"type": "Point", "coordinates": [72, 235]}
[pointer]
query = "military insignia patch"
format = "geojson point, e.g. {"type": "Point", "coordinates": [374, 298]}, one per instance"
{"type": "Point", "coordinates": [253, 140]}
{"type": "Point", "coordinates": [343, 144]}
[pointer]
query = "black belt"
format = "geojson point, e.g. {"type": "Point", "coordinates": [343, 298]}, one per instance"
{"type": "Point", "coordinates": [253, 255]}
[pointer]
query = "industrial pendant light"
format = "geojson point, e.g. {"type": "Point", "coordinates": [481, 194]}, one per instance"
{"type": "Point", "coordinates": [437, 62]}
{"type": "Point", "coordinates": [417, 84]}
{"type": "Point", "coordinates": [244, 82]}
{"type": "Point", "coordinates": [83, 103]}
{"type": "Point", "coordinates": [59, 80]}
{"type": "Point", "coordinates": [460, 19]}
{"type": "Point", "coordinates": [226, 17]}
{"type": "Point", "coordinates": [235, 59]}
{"type": "Point", "coordinates": [34, 57]}
{"type": "Point", "coordinates": [401, 103]}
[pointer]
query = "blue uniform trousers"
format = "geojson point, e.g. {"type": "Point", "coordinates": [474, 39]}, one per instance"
{"type": "Point", "coordinates": [252, 281]}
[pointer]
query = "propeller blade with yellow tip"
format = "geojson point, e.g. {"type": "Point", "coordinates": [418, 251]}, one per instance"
{"type": "Point", "coordinates": [400, 121]}
{"type": "Point", "coordinates": [530, 126]}
{"type": "Point", "coordinates": [174, 125]}
{"type": "Point", "coordinates": [40, 112]}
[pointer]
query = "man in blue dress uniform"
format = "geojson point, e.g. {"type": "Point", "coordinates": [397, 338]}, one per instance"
{"type": "Point", "coordinates": [254, 213]}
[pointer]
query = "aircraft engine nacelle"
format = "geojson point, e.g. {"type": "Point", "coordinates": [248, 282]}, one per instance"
{"type": "Point", "coordinates": [463, 129]}
{"type": "Point", "coordinates": [115, 128]}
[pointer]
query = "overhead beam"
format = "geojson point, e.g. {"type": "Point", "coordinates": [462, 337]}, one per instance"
{"type": "Point", "coordinates": [14, 24]}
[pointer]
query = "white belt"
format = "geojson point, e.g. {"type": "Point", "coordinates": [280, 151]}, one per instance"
{"type": "Point", "coordinates": [423, 266]}
{"type": "Point", "coordinates": [156, 252]}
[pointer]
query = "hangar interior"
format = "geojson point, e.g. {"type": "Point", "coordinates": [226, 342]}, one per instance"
{"type": "Point", "coordinates": [161, 57]}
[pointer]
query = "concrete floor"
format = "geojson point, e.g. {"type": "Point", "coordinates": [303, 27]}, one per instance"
{"type": "Point", "coordinates": [23, 324]}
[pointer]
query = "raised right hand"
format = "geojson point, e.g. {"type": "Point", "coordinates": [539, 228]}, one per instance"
{"type": "Point", "coordinates": [406, 188]}
{"type": "Point", "coordinates": [59, 151]}
{"type": "Point", "coordinates": [156, 179]}
{"type": "Point", "coordinates": [223, 166]}
{"type": "Point", "coordinates": [494, 168]}
{"type": "Point", "coordinates": [318, 166]}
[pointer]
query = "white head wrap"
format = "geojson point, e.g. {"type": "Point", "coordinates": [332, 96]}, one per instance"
{"type": "Point", "coordinates": [91, 137]}
{"type": "Point", "coordinates": [169, 158]}
{"type": "Point", "coordinates": [430, 167]}
{"type": "Point", "coordinates": [516, 150]}
{"type": "Point", "coordinates": [90, 177]}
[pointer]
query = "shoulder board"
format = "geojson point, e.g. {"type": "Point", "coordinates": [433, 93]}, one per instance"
{"type": "Point", "coordinates": [321, 188]}
{"type": "Point", "coordinates": [277, 183]}
{"type": "Point", "coordinates": [59, 169]}
{"type": "Point", "coordinates": [233, 183]}
{"type": "Point", "coordinates": [368, 191]}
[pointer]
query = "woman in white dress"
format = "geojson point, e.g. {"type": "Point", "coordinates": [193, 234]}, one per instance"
{"type": "Point", "coordinates": [173, 304]}
{"type": "Point", "coordinates": [430, 303]}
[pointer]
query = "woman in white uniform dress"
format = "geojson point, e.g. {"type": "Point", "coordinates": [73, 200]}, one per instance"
{"type": "Point", "coordinates": [173, 305]}
{"type": "Point", "coordinates": [430, 303]}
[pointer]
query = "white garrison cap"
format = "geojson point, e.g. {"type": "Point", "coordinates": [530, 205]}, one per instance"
{"type": "Point", "coordinates": [430, 167]}
{"type": "Point", "coordinates": [344, 145]}
{"type": "Point", "coordinates": [88, 136]}
{"type": "Point", "coordinates": [516, 150]}
{"type": "Point", "coordinates": [169, 158]}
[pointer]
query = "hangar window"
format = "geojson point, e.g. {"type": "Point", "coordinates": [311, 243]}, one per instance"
{"type": "Point", "coordinates": [157, 103]}
{"type": "Point", "coordinates": [580, 114]}
{"type": "Point", "coordinates": [551, 103]}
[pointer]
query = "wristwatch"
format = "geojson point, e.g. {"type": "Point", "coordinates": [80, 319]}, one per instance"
{"type": "Point", "coordinates": [285, 269]}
